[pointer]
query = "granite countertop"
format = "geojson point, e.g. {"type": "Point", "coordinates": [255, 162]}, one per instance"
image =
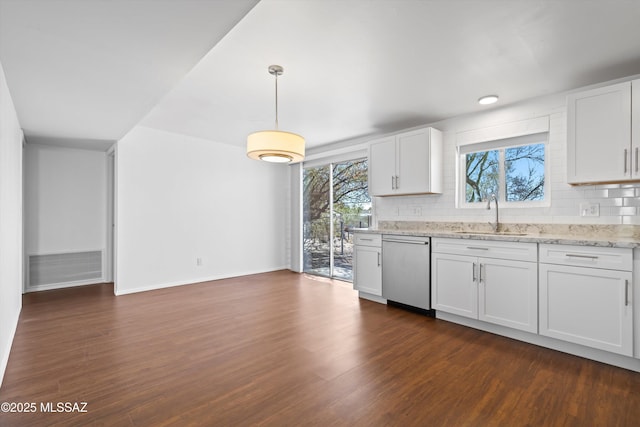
{"type": "Point", "coordinates": [618, 236]}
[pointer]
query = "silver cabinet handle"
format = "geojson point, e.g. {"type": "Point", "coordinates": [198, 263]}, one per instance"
{"type": "Point", "coordinates": [367, 240]}
{"type": "Point", "coordinates": [625, 161]}
{"type": "Point", "coordinates": [480, 281]}
{"type": "Point", "coordinates": [581, 256]}
{"type": "Point", "coordinates": [378, 259]}
{"type": "Point", "coordinates": [479, 248]}
{"type": "Point", "coordinates": [626, 293]}
{"type": "Point", "coordinates": [636, 159]}
{"type": "Point", "coordinates": [474, 272]}
{"type": "Point", "coordinates": [393, 182]}
{"type": "Point", "coordinates": [397, 186]}
{"type": "Point", "coordinates": [410, 242]}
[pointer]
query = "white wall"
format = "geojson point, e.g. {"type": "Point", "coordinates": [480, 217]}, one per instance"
{"type": "Point", "coordinates": [294, 244]}
{"type": "Point", "coordinates": [618, 203]}
{"type": "Point", "coordinates": [10, 222]}
{"type": "Point", "coordinates": [181, 198]}
{"type": "Point", "coordinates": [65, 200]}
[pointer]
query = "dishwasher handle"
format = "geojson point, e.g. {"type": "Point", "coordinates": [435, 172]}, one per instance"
{"type": "Point", "coordinates": [412, 242]}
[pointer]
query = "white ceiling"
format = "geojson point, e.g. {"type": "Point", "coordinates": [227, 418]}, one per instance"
{"type": "Point", "coordinates": [84, 72]}
{"type": "Point", "coordinates": [91, 69]}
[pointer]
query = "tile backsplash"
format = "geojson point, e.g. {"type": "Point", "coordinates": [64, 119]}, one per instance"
{"type": "Point", "coordinates": [607, 203]}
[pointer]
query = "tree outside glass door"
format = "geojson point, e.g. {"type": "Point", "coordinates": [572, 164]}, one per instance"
{"type": "Point", "coordinates": [336, 201]}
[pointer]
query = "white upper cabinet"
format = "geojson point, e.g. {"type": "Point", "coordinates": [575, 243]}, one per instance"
{"type": "Point", "coordinates": [635, 128]}
{"type": "Point", "coordinates": [382, 166]}
{"type": "Point", "coordinates": [603, 134]}
{"type": "Point", "coordinates": [407, 163]}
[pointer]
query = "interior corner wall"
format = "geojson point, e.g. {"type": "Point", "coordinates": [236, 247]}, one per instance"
{"type": "Point", "coordinates": [190, 210]}
{"type": "Point", "coordinates": [11, 255]}
{"type": "Point", "coordinates": [65, 201]}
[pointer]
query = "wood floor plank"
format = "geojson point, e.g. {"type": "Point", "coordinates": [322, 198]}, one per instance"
{"type": "Point", "coordinates": [288, 349]}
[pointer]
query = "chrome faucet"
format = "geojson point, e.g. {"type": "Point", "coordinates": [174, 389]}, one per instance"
{"type": "Point", "coordinates": [496, 226]}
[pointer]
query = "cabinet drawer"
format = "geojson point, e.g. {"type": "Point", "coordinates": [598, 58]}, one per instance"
{"type": "Point", "coordinates": [364, 239]}
{"type": "Point", "coordinates": [486, 248]}
{"type": "Point", "coordinates": [587, 256]}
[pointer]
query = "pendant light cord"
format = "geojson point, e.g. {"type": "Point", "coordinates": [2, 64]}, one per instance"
{"type": "Point", "coordinates": [276, 74]}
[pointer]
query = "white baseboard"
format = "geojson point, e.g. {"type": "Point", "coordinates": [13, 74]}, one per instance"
{"type": "Point", "coordinates": [64, 285]}
{"type": "Point", "coordinates": [370, 297]}
{"type": "Point", "coordinates": [7, 347]}
{"type": "Point", "coordinates": [542, 341]}
{"type": "Point", "coordinates": [157, 286]}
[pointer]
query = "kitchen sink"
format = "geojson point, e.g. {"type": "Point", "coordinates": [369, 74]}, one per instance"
{"type": "Point", "coordinates": [492, 233]}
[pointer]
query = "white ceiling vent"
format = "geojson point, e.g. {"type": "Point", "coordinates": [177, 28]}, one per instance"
{"type": "Point", "coordinates": [52, 269]}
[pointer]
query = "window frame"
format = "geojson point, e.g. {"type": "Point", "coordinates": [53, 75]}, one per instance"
{"type": "Point", "coordinates": [501, 145]}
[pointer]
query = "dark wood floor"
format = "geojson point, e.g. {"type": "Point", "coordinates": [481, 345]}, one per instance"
{"type": "Point", "coordinates": [287, 349]}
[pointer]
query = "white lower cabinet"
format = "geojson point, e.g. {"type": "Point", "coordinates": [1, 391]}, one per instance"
{"type": "Point", "coordinates": [367, 264]}
{"type": "Point", "coordinates": [583, 300]}
{"type": "Point", "coordinates": [577, 294]}
{"type": "Point", "coordinates": [453, 284]}
{"type": "Point", "coordinates": [498, 285]}
{"type": "Point", "coordinates": [508, 293]}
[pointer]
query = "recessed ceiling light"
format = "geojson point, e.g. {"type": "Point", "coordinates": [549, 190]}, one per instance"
{"type": "Point", "coordinates": [489, 99]}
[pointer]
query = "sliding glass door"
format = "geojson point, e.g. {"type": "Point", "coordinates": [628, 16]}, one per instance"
{"type": "Point", "coordinates": [317, 220]}
{"type": "Point", "coordinates": [335, 200]}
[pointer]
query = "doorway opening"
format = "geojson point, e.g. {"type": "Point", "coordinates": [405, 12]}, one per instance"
{"type": "Point", "coordinates": [111, 215]}
{"type": "Point", "coordinates": [335, 201]}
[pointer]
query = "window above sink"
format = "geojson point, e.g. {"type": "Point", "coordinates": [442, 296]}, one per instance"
{"type": "Point", "coordinates": [510, 161]}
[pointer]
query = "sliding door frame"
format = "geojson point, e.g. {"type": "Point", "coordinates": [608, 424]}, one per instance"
{"type": "Point", "coordinates": [329, 162]}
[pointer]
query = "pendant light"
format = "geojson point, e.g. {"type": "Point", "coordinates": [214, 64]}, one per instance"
{"type": "Point", "coordinates": [275, 146]}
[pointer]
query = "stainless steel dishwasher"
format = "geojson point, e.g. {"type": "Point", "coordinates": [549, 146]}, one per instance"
{"type": "Point", "coordinates": [406, 271]}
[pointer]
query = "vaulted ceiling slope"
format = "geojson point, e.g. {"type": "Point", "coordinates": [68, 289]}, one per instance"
{"type": "Point", "coordinates": [93, 69]}
{"type": "Point", "coordinates": [89, 70]}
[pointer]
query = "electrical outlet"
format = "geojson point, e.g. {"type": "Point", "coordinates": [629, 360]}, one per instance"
{"type": "Point", "coordinates": [589, 209]}
{"type": "Point", "coordinates": [411, 211]}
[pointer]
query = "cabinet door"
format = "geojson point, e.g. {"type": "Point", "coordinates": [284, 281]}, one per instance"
{"type": "Point", "coordinates": [453, 286]}
{"type": "Point", "coordinates": [382, 167]}
{"type": "Point", "coordinates": [635, 128]}
{"type": "Point", "coordinates": [599, 135]}
{"type": "Point", "coordinates": [587, 306]}
{"type": "Point", "coordinates": [413, 162]}
{"type": "Point", "coordinates": [367, 273]}
{"type": "Point", "coordinates": [508, 293]}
